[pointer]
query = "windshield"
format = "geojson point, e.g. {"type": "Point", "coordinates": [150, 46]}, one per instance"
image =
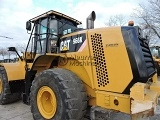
{"type": "Point", "coordinates": [66, 28]}
{"type": "Point", "coordinates": [46, 32]}
{"type": "Point", "coordinates": [41, 41]}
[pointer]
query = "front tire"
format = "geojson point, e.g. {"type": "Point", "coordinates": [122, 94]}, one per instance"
{"type": "Point", "coordinates": [5, 93]}
{"type": "Point", "coordinates": [58, 94]}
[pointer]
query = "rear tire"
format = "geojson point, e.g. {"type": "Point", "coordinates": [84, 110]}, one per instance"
{"type": "Point", "coordinates": [69, 91]}
{"type": "Point", "coordinates": [5, 93]}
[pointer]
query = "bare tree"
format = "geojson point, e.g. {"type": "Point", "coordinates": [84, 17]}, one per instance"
{"type": "Point", "coordinates": [116, 20]}
{"type": "Point", "coordinates": [148, 15]}
{"type": "Point", "coordinates": [3, 52]}
{"type": "Point", "coordinates": [21, 47]}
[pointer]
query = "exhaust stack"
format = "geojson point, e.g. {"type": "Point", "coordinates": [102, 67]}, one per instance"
{"type": "Point", "coordinates": [90, 20]}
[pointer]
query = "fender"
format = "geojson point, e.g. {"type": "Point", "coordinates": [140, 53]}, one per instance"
{"type": "Point", "coordinates": [15, 71]}
{"type": "Point", "coordinates": [44, 62]}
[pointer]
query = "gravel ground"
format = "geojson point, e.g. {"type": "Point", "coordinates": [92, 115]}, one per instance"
{"type": "Point", "coordinates": [15, 111]}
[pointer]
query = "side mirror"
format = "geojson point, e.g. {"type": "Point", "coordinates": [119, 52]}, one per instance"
{"type": "Point", "coordinates": [28, 25]}
{"type": "Point", "coordinates": [13, 49]}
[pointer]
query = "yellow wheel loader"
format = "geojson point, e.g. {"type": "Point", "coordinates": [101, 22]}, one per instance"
{"type": "Point", "coordinates": [155, 50]}
{"type": "Point", "coordinates": [70, 73]}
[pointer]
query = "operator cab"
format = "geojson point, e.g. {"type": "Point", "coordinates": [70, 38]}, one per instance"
{"type": "Point", "coordinates": [46, 32]}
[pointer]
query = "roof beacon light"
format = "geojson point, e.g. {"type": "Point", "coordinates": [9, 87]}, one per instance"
{"type": "Point", "coordinates": [131, 23]}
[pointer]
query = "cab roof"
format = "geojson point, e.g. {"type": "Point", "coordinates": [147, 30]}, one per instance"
{"type": "Point", "coordinates": [52, 12]}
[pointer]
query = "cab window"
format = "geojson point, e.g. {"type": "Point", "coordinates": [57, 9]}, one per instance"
{"type": "Point", "coordinates": [43, 29]}
{"type": "Point", "coordinates": [41, 41]}
{"type": "Point", "coordinates": [68, 29]}
{"type": "Point", "coordinates": [53, 29]}
{"type": "Point", "coordinates": [53, 38]}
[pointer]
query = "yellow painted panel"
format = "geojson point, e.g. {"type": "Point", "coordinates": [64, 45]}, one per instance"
{"type": "Point", "coordinates": [156, 87]}
{"type": "Point", "coordinates": [106, 100]}
{"type": "Point", "coordinates": [113, 66]}
{"type": "Point", "coordinates": [117, 71]}
{"type": "Point", "coordinates": [154, 78]}
{"type": "Point", "coordinates": [83, 72]}
{"type": "Point", "coordinates": [80, 63]}
{"type": "Point", "coordinates": [138, 91]}
{"type": "Point", "coordinates": [15, 71]}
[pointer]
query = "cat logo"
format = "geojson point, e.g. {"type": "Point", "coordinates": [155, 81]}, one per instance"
{"type": "Point", "coordinates": [64, 45]}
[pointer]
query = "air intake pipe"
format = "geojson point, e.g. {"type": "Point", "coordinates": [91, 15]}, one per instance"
{"type": "Point", "coordinates": [90, 20]}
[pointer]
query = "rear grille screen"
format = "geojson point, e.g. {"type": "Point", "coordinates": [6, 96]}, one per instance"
{"type": "Point", "coordinates": [99, 60]}
{"type": "Point", "coordinates": [147, 57]}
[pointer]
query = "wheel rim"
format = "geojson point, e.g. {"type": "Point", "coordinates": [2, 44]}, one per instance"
{"type": "Point", "coordinates": [0, 85]}
{"type": "Point", "coordinates": [46, 101]}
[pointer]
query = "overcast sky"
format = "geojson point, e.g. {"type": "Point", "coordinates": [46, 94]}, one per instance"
{"type": "Point", "coordinates": [15, 13]}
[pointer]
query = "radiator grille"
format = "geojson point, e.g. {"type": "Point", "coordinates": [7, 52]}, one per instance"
{"type": "Point", "coordinates": [147, 57]}
{"type": "Point", "coordinates": [99, 60]}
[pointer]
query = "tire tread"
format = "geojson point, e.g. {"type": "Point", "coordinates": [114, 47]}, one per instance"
{"type": "Point", "coordinates": [6, 96]}
{"type": "Point", "coordinates": [70, 87]}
